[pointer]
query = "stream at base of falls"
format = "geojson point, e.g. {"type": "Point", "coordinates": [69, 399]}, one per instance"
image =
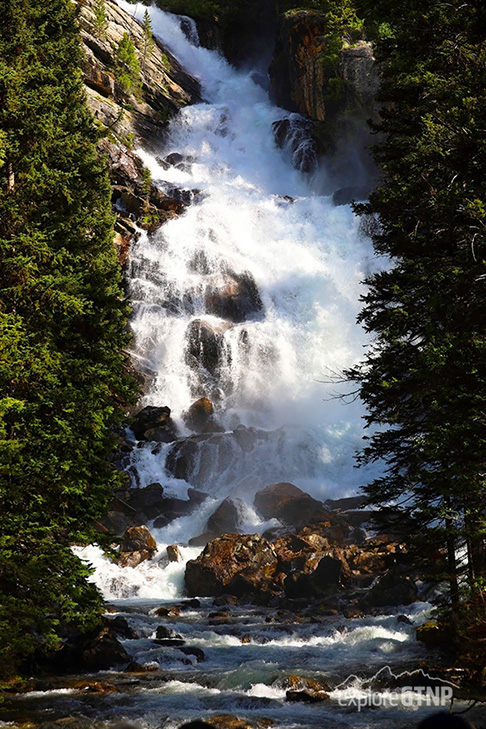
{"type": "Point", "coordinates": [259, 227]}
{"type": "Point", "coordinates": [241, 660]}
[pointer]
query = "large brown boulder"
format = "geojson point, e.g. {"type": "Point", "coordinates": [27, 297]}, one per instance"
{"type": "Point", "coordinates": [137, 545]}
{"type": "Point", "coordinates": [154, 423]}
{"type": "Point", "coordinates": [136, 538]}
{"type": "Point", "coordinates": [232, 564]}
{"type": "Point", "coordinates": [319, 575]}
{"type": "Point", "coordinates": [199, 414]}
{"type": "Point", "coordinates": [289, 504]}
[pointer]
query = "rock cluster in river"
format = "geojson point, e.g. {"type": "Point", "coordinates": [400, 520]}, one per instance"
{"type": "Point", "coordinates": [318, 559]}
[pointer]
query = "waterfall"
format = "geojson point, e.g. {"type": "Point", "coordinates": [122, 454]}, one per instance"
{"type": "Point", "coordinates": [249, 298]}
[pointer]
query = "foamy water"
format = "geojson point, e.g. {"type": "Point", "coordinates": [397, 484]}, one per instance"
{"type": "Point", "coordinates": [253, 214]}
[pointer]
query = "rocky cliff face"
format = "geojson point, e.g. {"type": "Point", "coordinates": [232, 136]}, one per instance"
{"type": "Point", "coordinates": [132, 119]}
{"type": "Point", "coordinates": [165, 86]}
{"type": "Point", "coordinates": [339, 100]}
{"type": "Point", "coordinates": [302, 81]}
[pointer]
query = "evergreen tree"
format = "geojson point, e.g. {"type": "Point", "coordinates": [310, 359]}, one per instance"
{"type": "Point", "coordinates": [148, 41]}
{"type": "Point", "coordinates": [101, 21]}
{"type": "Point", "coordinates": [424, 380]}
{"type": "Point", "coordinates": [62, 328]}
{"type": "Point", "coordinates": [127, 67]}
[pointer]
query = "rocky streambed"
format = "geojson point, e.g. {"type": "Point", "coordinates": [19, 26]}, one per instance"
{"type": "Point", "coordinates": [300, 627]}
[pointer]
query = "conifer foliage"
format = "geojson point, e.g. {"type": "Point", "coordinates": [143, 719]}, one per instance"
{"type": "Point", "coordinates": [62, 328]}
{"type": "Point", "coordinates": [424, 380]}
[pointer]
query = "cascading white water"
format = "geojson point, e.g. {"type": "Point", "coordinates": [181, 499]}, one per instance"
{"type": "Point", "coordinates": [253, 216]}
{"type": "Point", "coordinates": [307, 259]}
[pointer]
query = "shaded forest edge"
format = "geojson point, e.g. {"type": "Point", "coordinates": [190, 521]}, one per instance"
{"type": "Point", "coordinates": [65, 378]}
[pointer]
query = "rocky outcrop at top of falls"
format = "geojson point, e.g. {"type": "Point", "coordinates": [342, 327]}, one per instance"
{"type": "Point", "coordinates": [338, 100]}
{"type": "Point", "coordinates": [133, 117]}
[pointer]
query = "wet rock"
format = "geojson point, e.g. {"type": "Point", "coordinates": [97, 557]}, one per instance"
{"type": "Point", "coordinates": [333, 528]}
{"type": "Point", "coordinates": [349, 502]}
{"type": "Point", "coordinates": [298, 584]}
{"type": "Point", "coordinates": [231, 721]}
{"type": "Point", "coordinates": [294, 133]}
{"type": "Point", "coordinates": [103, 651]}
{"type": "Point", "coordinates": [199, 414]}
{"type": "Point", "coordinates": [356, 536]}
{"type": "Point", "coordinates": [295, 552]}
{"type": "Point", "coordinates": [245, 437]}
{"type": "Point", "coordinates": [133, 559]}
{"type": "Point", "coordinates": [235, 564]}
{"type": "Point", "coordinates": [196, 497]}
{"type": "Point", "coordinates": [226, 518]}
{"type": "Point", "coordinates": [146, 503]}
{"type": "Point", "coordinates": [368, 561]}
{"type": "Point", "coordinates": [356, 518]}
{"type": "Point", "coordinates": [170, 611]}
{"type": "Point", "coordinates": [119, 626]}
{"type": "Point", "coordinates": [137, 545]}
{"type": "Point", "coordinates": [202, 539]}
{"type": "Point", "coordinates": [173, 553]}
{"type": "Point", "coordinates": [306, 696]}
{"type": "Point", "coordinates": [390, 589]}
{"type": "Point", "coordinates": [329, 572]}
{"type": "Point", "coordinates": [95, 687]}
{"type": "Point", "coordinates": [351, 612]}
{"type": "Point", "coordinates": [172, 508]}
{"type": "Point", "coordinates": [170, 642]}
{"type": "Point", "coordinates": [198, 653]}
{"type": "Point", "coordinates": [206, 345]}
{"type": "Point", "coordinates": [199, 458]}
{"type": "Point", "coordinates": [433, 634]}
{"type": "Point", "coordinates": [225, 600]}
{"type": "Point", "coordinates": [191, 604]}
{"type": "Point", "coordinates": [289, 504]}
{"type": "Point", "coordinates": [118, 522]}
{"type": "Point", "coordinates": [137, 539]}
{"type": "Point", "coordinates": [301, 682]}
{"type": "Point", "coordinates": [176, 159]}
{"type": "Point", "coordinates": [164, 633]}
{"type": "Point", "coordinates": [154, 423]}
{"type": "Point", "coordinates": [232, 296]}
